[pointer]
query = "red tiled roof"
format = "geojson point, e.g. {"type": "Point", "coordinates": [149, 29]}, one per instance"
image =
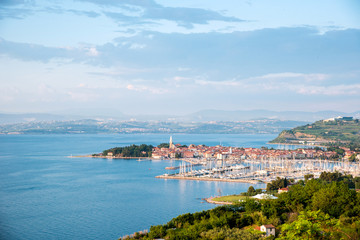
{"type": "Point", "coordinates": [256, 227]}
{"type": "Point", "coordinates": [269, 226]}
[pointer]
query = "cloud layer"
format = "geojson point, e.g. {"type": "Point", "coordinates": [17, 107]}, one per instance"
{"type": "Point", "coordinates": [179, 57]}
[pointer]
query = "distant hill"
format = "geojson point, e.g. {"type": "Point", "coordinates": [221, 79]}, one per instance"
{"type": "Point", "coordinates": [339, 130]}
{"type": "Point", "coordinates": [268, 126]}
{"type": "Point", "coordinates": [200, 116]}
{"type": "Point", "coordinates": [243, 115]}
{"type": "Point", "coordinates": [29, 117]}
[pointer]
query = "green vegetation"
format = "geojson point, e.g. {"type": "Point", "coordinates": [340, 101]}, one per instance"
{"type": "Point", "coordinates": [311, 225]}
{"type": "Point", "coordinates": [252, 191]}
{"type": "Point", "coordinates": [285, 136]}
{"type": "Point", "coordinates": [276, 184]}
{"type": "Point", "coordinates": [336, 176]}
{"type": "Point", "coordinates": [130, 151]}
{"type": "Point", "coordinates": [332, 133]}
{"type": "Point", "coordinates": [338, 150]}
{"type": "Point", "coordinates": [163, 145]}
{"type": "Point", "coordinates": [237, 198]}
{"type": "Point", "coordinates": [324, 208]}
{"type": "Point", "coordinates": [230, 198]}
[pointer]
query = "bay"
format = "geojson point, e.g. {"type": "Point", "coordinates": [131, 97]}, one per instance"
{"type": "Point", "coordinates": [44, 194]}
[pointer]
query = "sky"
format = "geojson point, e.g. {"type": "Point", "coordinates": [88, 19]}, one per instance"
{"type": "Point", "coordinates": [178, 57]}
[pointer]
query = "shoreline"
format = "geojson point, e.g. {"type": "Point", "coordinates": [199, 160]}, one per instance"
{"type": "Point", "coordinates": [210, 200]}
{"type": "Point", "coordinates": [210, 179]}
{"type": "Point", "coordinates": [189, 160]}
{"type": "Point", "coordinates": [292, 144]}
{"type": "Point", "coordinates": [108, 157]}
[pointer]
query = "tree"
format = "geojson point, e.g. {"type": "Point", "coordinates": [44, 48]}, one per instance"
{"type": "Point", "coordinates": [331, 176]}
{"type": "Point", "coordinates": [251, 205]}
{"type": "Point", "coordinates": [352, 158]}
{"type": "Point", "coordinates": [334, 199]}
{"type": "Point", "coordinates": [310, 225]}
{"type": "Point", "coordinates": [251, 191]}
{"type": "Point", "coordinates": [231, 234]}
{"type": "Point", "coordinates": [157, 231]}
{"type": "Point", "coordinates": [276, 184]}
{"type": "Point", "coordinates": [308, 176]}
{"type": "Point", "coordinates": [338, 150]}
{"type": "Point", "coordinates": [163, 145]}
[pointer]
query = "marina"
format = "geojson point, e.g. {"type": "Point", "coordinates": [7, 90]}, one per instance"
{"type": "Point", "coordinates": [259, 170]}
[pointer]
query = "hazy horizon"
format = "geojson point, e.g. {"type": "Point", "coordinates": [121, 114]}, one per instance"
{"type": "Point", "coordinates": [179, 57]}
{"type": "Point", "coordinates": [111, 111]}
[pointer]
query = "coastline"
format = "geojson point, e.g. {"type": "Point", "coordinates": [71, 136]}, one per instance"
{"type": "Point", "coordinates": [293, 144]}
{"type": "Point", "coordinates": [108, 157]}
{"type": "Point", "coordinates": [210, 200]}
{"type": "Point", "coordinates": [149, 158]}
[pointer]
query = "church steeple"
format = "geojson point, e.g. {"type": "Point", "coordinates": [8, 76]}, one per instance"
{"type": "Point", "coordinates": [171, 145]}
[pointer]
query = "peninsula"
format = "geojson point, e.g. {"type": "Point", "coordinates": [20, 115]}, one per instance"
{"type": "Point", "coordinates": [339, 131]}
{"type": "Point", "coordinates": [237, 164]}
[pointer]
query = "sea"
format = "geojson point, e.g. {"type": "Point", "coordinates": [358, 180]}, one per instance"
{"type": "Point", "coordinates": [47, 194]}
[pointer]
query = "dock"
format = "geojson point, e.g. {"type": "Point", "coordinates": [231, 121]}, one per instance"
{"type": "Point", "coordinates": [263, 170]}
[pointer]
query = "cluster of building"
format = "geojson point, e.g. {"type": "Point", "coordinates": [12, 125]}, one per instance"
{"type": "Point", "coordinates": [230, 153]}
{"type": "Point", "coordinates": [339, 118]}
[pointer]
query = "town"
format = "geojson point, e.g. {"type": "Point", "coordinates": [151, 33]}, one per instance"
{"type": "Point", "coordinates": [225, 163]}
{"type": "Point", "coordinates": [231, 154]}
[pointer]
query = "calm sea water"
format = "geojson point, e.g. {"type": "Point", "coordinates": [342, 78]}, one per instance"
{"type": "Point", "coordinates": [44, 194]}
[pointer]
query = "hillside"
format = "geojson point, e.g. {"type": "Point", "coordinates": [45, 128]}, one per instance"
{"type": "Point", "coordinates": [342, 131]}
{"type": "Point", "coordinates": [324, 208]}
{"type": "Point", "coordinates": [106, 114]}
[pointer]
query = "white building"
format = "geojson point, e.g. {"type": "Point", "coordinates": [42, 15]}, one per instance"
{"type": "Point", "coordinates": [269, 229]}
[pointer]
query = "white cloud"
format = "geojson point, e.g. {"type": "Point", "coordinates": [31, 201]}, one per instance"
{"type": "Point", "coordinates": [137, 46]}
{"type": "Point", "coordinates": [92, 52]}
{"type": "Point", "coordinates": [82, 96]}
{"type": "Point", "coordinates": [216, 83]}
{"type": "Point", "coordinates": [284, 82]}
{"type": "Point", "coordinates": [45, 89]}
{"type": "Point", "coordinates": [179, 79]}
{"type": "Point", "coordinates": [291, 75]}
{"type": "Point", "coordinates": [334, 90]}
{"type": "Point", "coordinates": [142, 88]}
{"type": "Point", "coordinates": [268, 81]}
{"type": "Point", "coordinates": [9, 94]}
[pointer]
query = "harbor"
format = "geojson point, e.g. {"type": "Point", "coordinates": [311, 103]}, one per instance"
{"type": "Point", "coordinates": [258, 170]}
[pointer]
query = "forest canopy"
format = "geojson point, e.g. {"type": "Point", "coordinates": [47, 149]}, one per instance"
{"type": "Point", "coordinates": [142, 150]}
{"type": "Point", "coordinates": [324, 208]}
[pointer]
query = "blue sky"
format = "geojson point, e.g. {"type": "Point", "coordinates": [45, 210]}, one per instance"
{"type": "Point", "coordinates": [178, 57]}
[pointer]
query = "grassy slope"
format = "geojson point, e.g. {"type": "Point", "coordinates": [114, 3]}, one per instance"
{"type": "Point", "coordinates": [345, 131]}
{"type": "Point", "coordinates": [230, 198]}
